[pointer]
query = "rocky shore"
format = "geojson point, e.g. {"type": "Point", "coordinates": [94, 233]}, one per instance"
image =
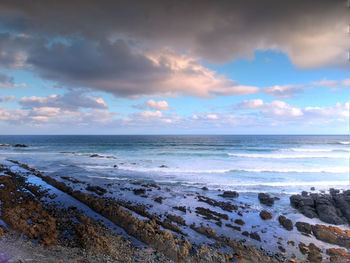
{"type": "Point", "coordinates": [63, 219]}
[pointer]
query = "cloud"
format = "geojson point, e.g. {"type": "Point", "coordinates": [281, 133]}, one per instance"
{"type": "Point", "coordinates": [7, 98]}
{"type": "Point", "coordinates": [332, 83]}
{"type": "Point", "coordinates": [160, 105]}
{"type": "Point", "coordinates": [68, 101]}
{"type": "Point", "coordinates": [282, 111]}
{"type": "Point", "coordinates": [117, 68]}
{"type": "Point", "coordinates": [8, 82]}
{"type": "Point", "coordinates": [212, 31]}
{"type": "Point", "coordinates": [285, 91]}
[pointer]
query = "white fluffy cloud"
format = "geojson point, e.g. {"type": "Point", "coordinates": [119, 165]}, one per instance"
{"type": "Point", "coordinates": [160, 105]}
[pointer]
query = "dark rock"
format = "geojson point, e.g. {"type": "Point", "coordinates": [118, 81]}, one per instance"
{"type": "Point", "coordinates": [158, 199]}
{"type": "Point", "coordinates": [227, 206]}
{"type": "Point", "coordinates": [163, 166]}
{"type": "Point", "coordinates": [210, 214]}
{"type": "Point", "coordinates": [338, 255]}
{"type": "Point", "coordinates": [204, 188]}
{"type": "Point", "coordinates": [303, 227]}
{"type": "Point", "coordinates": [282, 248]}
{"type": "Point", "coordinates": [332, 235]}
{"type": "Point", "coordinates": [230, 194]}
{"type": "Point", "coordinates": [233, 227]}
{"type": "Point", "coordinates": [180, 208]}
{"type": "Point", "coordinates": [115, 166]}
{"type": "Point", "coordinates": [255, 235]}
{"type": "Point", "coordinates": [96, 189]}
{"type": "Point", "coordinates": [139, 191]}
{"type": "Point", "coordinates": [20, 145]}
{"type": "Point", "coordinates": [95, 155]}
{"type": "Point", "coordinates": [266, 199]}
{"type": "Point", "coordinates": [265, 215]}
{"type": "Point", "coordinates": [312, 188]}
{"type": "Point", "coordinates": [285, 222]}
{"type": "Point", "coordinates": [240, 222]}
{"type": "Point", "coordinates": [245, 233]}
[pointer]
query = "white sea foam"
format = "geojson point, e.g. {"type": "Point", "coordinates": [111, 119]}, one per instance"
{"type": "Point", "coordinates": [345, 143]}
{"type": "Point", "coordinates": [287, 156]}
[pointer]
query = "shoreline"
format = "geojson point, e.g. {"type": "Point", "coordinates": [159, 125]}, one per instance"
{"type": "Point", "coordinates": [192, 233]}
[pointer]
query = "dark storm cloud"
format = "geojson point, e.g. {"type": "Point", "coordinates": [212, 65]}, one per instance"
{"type": "Point", "coordinates": [132, 48]}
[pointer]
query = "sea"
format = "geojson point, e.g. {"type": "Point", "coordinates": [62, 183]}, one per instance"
{"type": "Point", "coordinates": [279, 164]}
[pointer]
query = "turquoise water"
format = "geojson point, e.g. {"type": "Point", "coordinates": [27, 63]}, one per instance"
{"type": "Point", "coordinates": [280, 164]}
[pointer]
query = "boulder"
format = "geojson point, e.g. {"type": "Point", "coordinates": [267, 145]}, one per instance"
{"type": "Point", "coordinates": [265, 215]}
{"type": "Point", "coordinates": [286, 223]}
{"type": "Point", "coordinates": [266, 199]}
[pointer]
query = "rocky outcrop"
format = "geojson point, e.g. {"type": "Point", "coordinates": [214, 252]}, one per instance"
{"type": "Point", "coordinates": [338, 255]}
{"type": "Point", "coordinates": [312, 251]}
{"type": "Point", "coordinates": [286, 223]}
{"type": "Point", "coordinates": [332, 235]}
{"type": "Point", "coordinates": [266, 199]}
{"type": "Point", "coordinates": [22, 213]}
{"type": "Point", "coordinates": [332, 208]}
{"type": "Point", "coordinates": [265, 215]}
{"type": "Point", "coordinates": [230, 194]}
{"type": "Point", "coordinates": [303, 227]}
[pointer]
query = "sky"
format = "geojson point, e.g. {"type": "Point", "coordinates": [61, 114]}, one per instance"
{"type": "Point", "coordinates": [174, 67]}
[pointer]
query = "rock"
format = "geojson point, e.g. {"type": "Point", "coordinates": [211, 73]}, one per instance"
{"type": "Point", "coordinates": [240, 222]}
{"type": "Point", "coordinates": [332, 235]}
{"type": "Point", "coordinates": [158, 199]}
{"type": "Point", "coordinates": [115, 166]}
{"type": "Point", "coordinates": [20, 145]}
{"type": "Point", "coordinates": [314, 253]}
{"type": "Point", "coordinates": [210, 214]}
{"type": "Point", "coordinates": [176, 219]}
{"type": "Point", "coordinates": [245, 233]}
{"type": "Point", "coordinates": [312, 188]}
{"type": "Point", "coordinates": [303, 227]}
{"type": "Point", "coordinates": [265, 215]}
{"type": "Point", "coordinates": [255, 235]}
{"type": "Point", "coordinates": [204, 188]}
{"type": "Point", "coordinates": [227, 206]}
{"type": "Point", "coordinates": [180, 208]}
{"type": "Point", "coordinates": [291, 242]}
{"type": "Point", "coordinates": [233, 227]}
{"type": "Point", "coordinates": [266, 199]}
{"type": "Point", "coordinates": [96, 189]}
{"type": "Point", "coordinates": [338, 255]}
{"type": "Point", "coordinates": [230, 194]}
{"type": "Point", "coordinates": [95, 156]}
{"type": "Point", "coordinates": [163, 166]}
{"type": "Point", "coordinates": [139, 191]}
{"type": "Point", "coordinates": [332, 208]}
{"type": "Point", "coordinates": [285, 222]}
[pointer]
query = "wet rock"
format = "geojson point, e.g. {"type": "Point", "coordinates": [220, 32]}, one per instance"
{"type": "Point", "coordinates": [303, 227]}
{"type": "Point", "coordinates": [312, 188]}
{"type": "Point", "coordinates": [20, 145]}
{"type": "Point", "coordinates": [245, 233]}
{"type": "Point", "coordinates": [239, 222]}
{"type": "Point", "coordinates": [255, 235]}
{"type": "Point", "coordinates": [265, 215]}
{"type": "Point", "coordinates": [314, 253]}
{"type": "Point", "coordinates": [207, 231]}
{"type": "Point", "coordinates": [227, 206]}
{"type": "Point", "coordinates": [291, 242]}
{"type": "Point", "coordinates": [285, 222]}
{"type": "Point", "coordinates": [210, 214]}
{"type": "Point", "coordinates": [96, 189]}
{"type": "Point", "coordinates": [229, 194]}
{"type": "Point", "coordinates": [158, 199]}
{"type": "Point", "coordinates": [115, 166]}
{"type": "Point", "coordinates": [163, 166]}
{"type": "Point", "coordinates": [176, 219]}
{"type": "Point", "coordinates": [180, 208]}
{"type": "Point", "coordinates": [338, 255]}
{"type": "Point", "coordinates": [95, 155]}
{"type": "Point", "coordinates": [139, 191]}
{"type": "Point", "coordinates": [204, 188]}
{"type": "Point", "coordinates": [332, 208]}
{"type": "Point", "coordinates": [332, 235]}
{"type": "Point", "coordinates": [281, 248]}
{"type": "Point", "coordinates": [233, 227]}
{"type": "Point", "coordinates": [266, 199]}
